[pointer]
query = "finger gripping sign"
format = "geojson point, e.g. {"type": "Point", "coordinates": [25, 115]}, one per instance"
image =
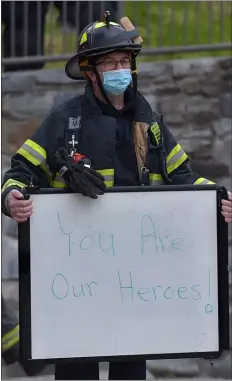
{"type": "Point", "coordinates": [138, 272]}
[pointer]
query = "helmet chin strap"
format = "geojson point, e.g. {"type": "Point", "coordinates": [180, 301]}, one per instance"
{"type": "Point", "coordinates": [134, 75]}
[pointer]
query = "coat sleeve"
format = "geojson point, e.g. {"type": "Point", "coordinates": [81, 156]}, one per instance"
{"type": "Point", "coordinates": [176, 158]}
{"type": "Point", "coordinates": [29, 163]}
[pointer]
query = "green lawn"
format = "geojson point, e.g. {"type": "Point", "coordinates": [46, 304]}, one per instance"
{"type": "Point", "coordinates": [193, 23]}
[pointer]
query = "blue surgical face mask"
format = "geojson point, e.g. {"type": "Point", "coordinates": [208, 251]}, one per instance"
{"type": "Point", "coordinates": [115, 82]}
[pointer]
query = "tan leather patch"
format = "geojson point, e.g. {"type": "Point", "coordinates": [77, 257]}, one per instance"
{"type": "Point", "coordinates": [140, 140]}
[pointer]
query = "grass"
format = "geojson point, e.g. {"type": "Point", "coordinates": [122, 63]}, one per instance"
{"type": "Point", "coordinates": [193, 23]}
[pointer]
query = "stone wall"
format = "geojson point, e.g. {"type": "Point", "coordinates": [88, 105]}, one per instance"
{"type": "Point", "coordinates": [193, 95]}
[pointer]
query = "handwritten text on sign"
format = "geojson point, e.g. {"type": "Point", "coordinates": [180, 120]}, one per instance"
{"type": "Point", "coordinates": [149, 242]}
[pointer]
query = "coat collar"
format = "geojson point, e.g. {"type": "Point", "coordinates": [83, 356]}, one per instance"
{"type": "Point", "coordinates": [142, 109]}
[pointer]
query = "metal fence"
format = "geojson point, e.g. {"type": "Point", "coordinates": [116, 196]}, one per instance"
{"type": "Point", "coordinates": [36, 32]}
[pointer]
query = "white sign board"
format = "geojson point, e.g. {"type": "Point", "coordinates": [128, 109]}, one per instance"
{"type": "Point", "coordinates": [127, 274]}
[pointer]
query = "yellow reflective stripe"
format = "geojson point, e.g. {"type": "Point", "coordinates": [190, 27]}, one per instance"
{"type": "Point", "coordinates": [11, 333]}
{"type": "Point", "coordinates": [108, 175]}
{"type": "Point", "coordinates": [12, 182]}
{"type": "Point", "coordinates": [10, 338]}
{"type": "Point", "coordinates": [156, 132]}
{"type": "Point", "coordinates": [178, 162]}
{"type": "Point", "coordinates": [109, 183]}
{"type": "Point", "coordinates": [175, 158]}
{"type": "Point", "coordinates": [83, 38]}
{"type": "Point", "coordinates": [36, 154]}
{"type": "Point", "coordinates": [155, 176]}
{"type": "Point", "coordinates": [95, 26]}
{"type": "Point", "coordinates": [102, 24]}
{"type": "Point", "coordinates": [33, 152]}
{"type": "Point", "coordinates": [46, 171]}
{"type": "Point", "coordinates": [11, 343]}
{"type": "Point", "coordinates": [155, 179]}
{"type": "Point", "coordinates": [173, 152]}
{"type": "Point", "coordinates": [36, 147]}
{"type": "Point", "coordinates": [106, 172]}
{"type": "Point", "coordinates": [58, 184]}
{"type": "Point", "coordinates": [99, 25]}
{"type": "Point", "coordinates": [203, 181]}
{"type": "Point", "coordinates": [28, 156]}
{"type": "Point", "coordinates": [35, 161]}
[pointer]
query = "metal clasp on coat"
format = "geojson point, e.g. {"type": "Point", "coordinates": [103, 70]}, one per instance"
{"type": "Point", "coordinates": [145, 176]}
{"type": "Point", "coordinates": [73, 142]}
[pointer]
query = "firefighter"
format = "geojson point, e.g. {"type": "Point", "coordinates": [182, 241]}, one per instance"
{"type": "Point", "coordinates": [106, 137]}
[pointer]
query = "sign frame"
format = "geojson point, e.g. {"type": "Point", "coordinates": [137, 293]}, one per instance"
{"type": "Point", "coordinates": [223, 277]}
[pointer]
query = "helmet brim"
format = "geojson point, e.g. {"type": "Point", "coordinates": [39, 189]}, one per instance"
{"type": "Point", "coordinates": [72, 69]}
